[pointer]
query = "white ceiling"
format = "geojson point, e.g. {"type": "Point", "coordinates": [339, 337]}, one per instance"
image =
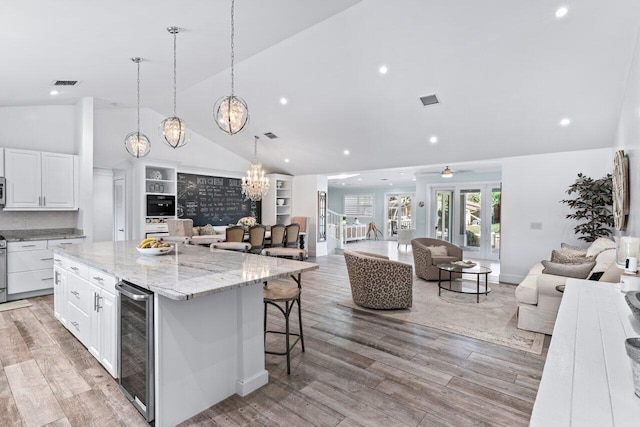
{"type": "Point", "coordinates": [507, 71]}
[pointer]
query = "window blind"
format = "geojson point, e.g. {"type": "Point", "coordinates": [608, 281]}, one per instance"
{"type": "Point", "coordinates": [360, 205]}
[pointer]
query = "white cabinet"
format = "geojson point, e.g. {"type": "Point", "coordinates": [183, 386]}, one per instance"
{"type": "Point", "coordinates": [60, 294]}
{"type": "Point", "coordinates": [277, 204]}
{"type": "Point", "coordinates": [30, 266]}
{"type": "Point", "coordinates": [40, 181]}
{"type": "Point", "coordinates": [355, 232]}
{"type": "Point", "coordinates": [91, 305]}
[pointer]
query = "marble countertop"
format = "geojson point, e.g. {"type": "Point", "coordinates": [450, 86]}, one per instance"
{"type": "Point", "coordinates": [41, 234]}
{"type": "Point", "coordinates": [185, 273]}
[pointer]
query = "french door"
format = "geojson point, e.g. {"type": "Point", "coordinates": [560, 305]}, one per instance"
{"type": "Point", "coordinates": [399, 209]}
{"type": "Point", "coordinates": [469, 216]}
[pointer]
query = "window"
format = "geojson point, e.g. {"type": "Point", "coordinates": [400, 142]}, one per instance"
{"type": "Point", "coordinates": [358, 205]}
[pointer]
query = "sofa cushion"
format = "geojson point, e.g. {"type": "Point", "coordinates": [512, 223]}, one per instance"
{"type": "Point", "coordinates": [599, 245]}
{"type": "Point", "coordinates": [570, 256]}
{"type": "Point", "coordinates": [578, 271]}
{"type": "Point", "coordinates": [604, 260]}
{"type": "Point", "coordinates": [438, 251]}
{"type": "Point", "coordinates": [527, 290]}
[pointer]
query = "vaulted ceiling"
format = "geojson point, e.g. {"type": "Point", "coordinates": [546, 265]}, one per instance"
{"type": "Point", "coordinates": [506, 72]}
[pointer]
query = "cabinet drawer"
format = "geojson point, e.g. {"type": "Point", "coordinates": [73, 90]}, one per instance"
{"type": "Point", "coordinates": [77, 268]}
{"type": "Point", "coordinates": [78, 293]}
{"type": "Point", "coordinates": [78, 323]}
{"type": "Point", "coordinates": [33, 245]}
{"type": "Point", "coordinates": [29, 260]}
{"type": "Point", "coordinates": [64, 242]}
{"type": "Point", "coordinates": [27, 281]}
{"type": "Point", "coordinates": [60, 261]}
{"type": "Point", "coordinates": [102, 279]}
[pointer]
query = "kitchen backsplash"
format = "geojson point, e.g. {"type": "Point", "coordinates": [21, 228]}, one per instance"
{"type": "Point", "coordinates": [25, 220]}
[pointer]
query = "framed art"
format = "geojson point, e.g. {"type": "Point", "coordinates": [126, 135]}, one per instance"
{"type": "Point", "coordinates": [620, 190]}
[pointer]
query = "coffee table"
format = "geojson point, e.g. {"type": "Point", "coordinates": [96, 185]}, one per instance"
{"type": "Point", "coordinates": [461, 286]}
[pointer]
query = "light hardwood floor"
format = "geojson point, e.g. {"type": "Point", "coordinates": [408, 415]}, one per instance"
{"type": "Point", "coordinates": [358, 369]}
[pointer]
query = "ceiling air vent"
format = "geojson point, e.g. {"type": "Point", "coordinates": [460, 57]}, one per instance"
{"type": "Point", "coordinates": [429, 100]}
{"type": "Point", "coordinates": [65, 82]}
{"type": "Point", "coordinates": [271, 135]}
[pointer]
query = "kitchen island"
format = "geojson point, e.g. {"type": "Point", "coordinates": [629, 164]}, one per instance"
{"type": "Point", "coordinates": [208, 318]}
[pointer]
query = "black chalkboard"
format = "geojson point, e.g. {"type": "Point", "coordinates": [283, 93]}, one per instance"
{"type": "Point", "coordinates": [213, 200]}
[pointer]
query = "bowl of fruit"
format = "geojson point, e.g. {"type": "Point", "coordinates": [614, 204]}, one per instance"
{"type": "Point", "coordinates": [152, 247]}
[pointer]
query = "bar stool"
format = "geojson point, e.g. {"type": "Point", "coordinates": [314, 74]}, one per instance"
{"type": "Point", "coordinates": [273, 295]}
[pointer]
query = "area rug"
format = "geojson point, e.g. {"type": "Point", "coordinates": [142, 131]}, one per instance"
{"type": "Point", "coordinates": [14, 304]}
{"type": "Point", "coordinates": [493, 319]}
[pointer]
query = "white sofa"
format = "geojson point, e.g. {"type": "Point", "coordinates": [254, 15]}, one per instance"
{"type": "Point", "coordinates": [538, 300]}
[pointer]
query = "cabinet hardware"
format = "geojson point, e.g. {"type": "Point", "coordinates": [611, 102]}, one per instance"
{"type": "Point", "coordinates": [65, 243]}
{"type": "Point", "coordinates": [98, 306]}
{"type": "Point", "coordinates": [44, 201]}
{"type": "Point", "coordinates": [47, 278]}
{"type": "Point", "coordinates": [28, 246]}
{"type": "Point", "coordinates": [56, 281]}
{"type": "Point", "coordinates": [39, 200]}
{"type": "Point", "coordinates": [75, 268]}
{"type": "Point", "coordinates": [95, 302]}
{"type": "Point", "coordinates": [98, 278]}
{"type": "Point", "coordinates": [76, 324]}
{"type": "Point", "coordinates": [75, 293]}
{"type": "Point", "coordinates": [57, 260]}
{"type": "Point", "coordinates": [45, 259]}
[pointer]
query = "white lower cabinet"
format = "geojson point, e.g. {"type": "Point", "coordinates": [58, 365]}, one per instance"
{"type": "Point", "coordinates": [60, 294]}
{"type": "Point", "coordinates": [89, 308]}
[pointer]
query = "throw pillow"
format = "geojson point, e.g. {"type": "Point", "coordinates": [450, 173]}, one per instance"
{"type": "Point", "coordinates": [438, 250]}
{"type": "Point", "coordinates": [612, 274]}
{"type": "Point", "coordinates": [196, 231]}
{"type": "Point", "coordinates": [599, 245]}
{"type": "Point", "coordinates": [578, 271]}
{"type": "Point", "coordinates": [207, 230]}
{"type": "Point", "coordinates": [569, 256]}
{"type": "Point", "coordinates": [564, 246]}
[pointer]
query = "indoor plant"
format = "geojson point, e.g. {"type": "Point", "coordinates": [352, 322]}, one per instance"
{"type": "Point", "coordinates": [592, 206]}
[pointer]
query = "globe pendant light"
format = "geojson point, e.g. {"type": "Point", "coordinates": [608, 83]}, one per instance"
{"type": "Point", "coordinates": [231, 112]}
{"type": "Point", "coordinates": [255, 184]}
{"type": "Point", "coordinates": [173, 130]}
{"type": "Point", "coordinates": [137, 143]}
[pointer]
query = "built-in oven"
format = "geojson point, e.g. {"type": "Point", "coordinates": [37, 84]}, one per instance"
{"type": "Point", "coordinates": [3, 270]}
{"type": "Point", "coordinates": [135, 348]}
{"type": "Point", "coordinates": [161, 205]}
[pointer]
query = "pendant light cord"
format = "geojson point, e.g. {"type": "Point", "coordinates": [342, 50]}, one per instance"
{"type": "Point", "coordinates": [232, 46]}
{"type": "Point", "coordinates": [174, 75]}
{"type": "Point", "coordinates": [138, 64]}
{"type": "Point", "coordinates": [255, 148]}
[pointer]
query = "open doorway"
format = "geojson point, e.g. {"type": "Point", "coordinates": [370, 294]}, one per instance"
{"type": "Point", "coordinates": [399, 211]}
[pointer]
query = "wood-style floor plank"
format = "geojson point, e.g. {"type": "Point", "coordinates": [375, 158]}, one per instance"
{"type": "Point", "coordinates": [35, 401]}
{"type": "Point", "coordinates": [359, 369]}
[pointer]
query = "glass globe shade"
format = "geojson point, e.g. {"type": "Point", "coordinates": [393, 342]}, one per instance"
{"type": "Point", "coordinates": [231, 114]}
{"type": "Point", "coordinates": [173, 131]}
{"type": "Point", "coordinates": [137, 144]}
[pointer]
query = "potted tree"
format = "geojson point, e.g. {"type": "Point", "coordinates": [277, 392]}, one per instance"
{"type": "Point", "coordinates": [592, 206]}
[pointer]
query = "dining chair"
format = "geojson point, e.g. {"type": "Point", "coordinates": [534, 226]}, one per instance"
{"type": "Point", "coordinates": [292, 236]}
{"type": "Point", "coordinates": [234, 240]}
{"type": "Point", "coordinates": [256, 238]}
{"type": "Point", "coordinates": [277, 235]}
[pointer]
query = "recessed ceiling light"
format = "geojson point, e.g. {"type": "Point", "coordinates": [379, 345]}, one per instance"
{"type": "Point", "coordinates": [286, 160]}
{"type": "Point", "coordinates": [565, 122]}
{"type": "Point", "coordinates": [283, 101]}
{"type": "Point", "coordinates": [433, 139]}
{"type": "Point", "coordinates": [346, 152]}
{"type": "Point", "coordinates": [390, 183]}
{"type": "Point", "coordinates": [344, 183]}
{"type": "Point", "coordinates": [383, 69]}
{"type": "Point", "coordinates": [359, 179]}
{"type": "Point", "coordinates": [54, 92]}
{"type": "Point", "coordinates": [413, 179]}
{"type": "Point", "coordinates": [401, 173]}
{"type": "Point", "coordinates": [561, 12]}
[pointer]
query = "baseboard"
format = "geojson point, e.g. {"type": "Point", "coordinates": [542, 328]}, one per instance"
{"type": "Point", "coordinates": [511, 278]}
{"type": "Point", "coordinates": [249, 385]}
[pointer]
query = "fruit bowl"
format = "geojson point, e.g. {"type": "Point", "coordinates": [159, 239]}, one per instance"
{"type": "Point", "coordinates": [155, 251]}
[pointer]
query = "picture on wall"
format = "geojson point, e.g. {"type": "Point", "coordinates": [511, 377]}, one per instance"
{"type": "Point", "coordinates": [620, 190]}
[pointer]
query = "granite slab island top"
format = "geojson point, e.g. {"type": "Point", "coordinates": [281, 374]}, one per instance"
{"type": "Point", "coordinates": [185, 273]}
{"type": "Point", "coordinates": [41, 234]}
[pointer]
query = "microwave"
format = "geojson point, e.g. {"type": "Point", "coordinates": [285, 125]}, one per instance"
{"type": "Point", "coordinates": [161, 205]}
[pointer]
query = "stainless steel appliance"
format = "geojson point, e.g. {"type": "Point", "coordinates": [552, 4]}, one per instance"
{"type": "Point", "coordinates": [135, 348]}
{"type": "Point", "coordinates": [3, 269]}
{"type": "Point", "coordinates": [161, 205]}
{"type": "Point", "coordinates": [3, 195]}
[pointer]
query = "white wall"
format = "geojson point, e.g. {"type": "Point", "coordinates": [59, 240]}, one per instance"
{"type": "Point", "coordinates": [532, 187]}
{"type": "Point", "coordinates": [41, 128]}
{"type": "Point", "coordinates": [628, 139]}
{"type": "Point", "coordinates": [84, 148]}
{"type": "Point", "coordinates": [102, 205]}
{"type": "Point", "coordinates": [305, 203]}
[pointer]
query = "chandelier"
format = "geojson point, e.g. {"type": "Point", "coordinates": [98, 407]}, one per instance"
{"type": "Point", "coordinates": [231, 112]}
{"type": "Point", "coordinates": [173, 130]}
{"type": "Point", "coordinates": [255, 184]}
{"type": "Point", "coordinates": [137, 143]}
{"type": "Point", "coordinates": [447, 173]}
